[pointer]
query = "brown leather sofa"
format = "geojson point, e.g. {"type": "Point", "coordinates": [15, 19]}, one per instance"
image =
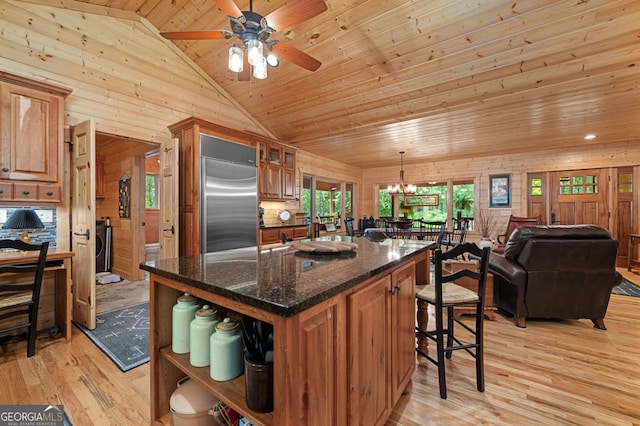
{"type": "Point", "coordinates": [557, 271]}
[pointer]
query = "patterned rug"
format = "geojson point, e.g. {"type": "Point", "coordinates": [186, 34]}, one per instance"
{"type": "Point", "coordinates": [123, 335]}
{"type": "Point", "coordinates": [627, 288]}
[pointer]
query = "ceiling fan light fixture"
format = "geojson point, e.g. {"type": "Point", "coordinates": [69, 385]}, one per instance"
{"type": "Point", "coordinates": [236, 58]}
{"type": "Point", "coordinates": [273, 60]}
{"type": "Point", "coordinates": [254, 51]}
{"type": "Point", "coordinates": [260, 70]}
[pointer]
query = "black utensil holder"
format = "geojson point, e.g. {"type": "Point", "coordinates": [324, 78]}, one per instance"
{"type": "Point", "coordinates": [258, 386]}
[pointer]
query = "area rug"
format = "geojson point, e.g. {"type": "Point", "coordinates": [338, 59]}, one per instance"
{"type": "Point", "coordinates": [627, 288]}
{"type": "Point", "coordinates": [123, 335]}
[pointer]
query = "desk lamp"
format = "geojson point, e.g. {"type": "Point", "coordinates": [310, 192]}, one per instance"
{"type": "Point", "coordinates": [23, 219]}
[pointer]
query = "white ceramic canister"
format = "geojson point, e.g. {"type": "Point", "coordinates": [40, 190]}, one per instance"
{"type": "Point", "coordinates": [202, 327]}
{"type": "Point", "coordinates": [226, 351]}
{"type": "Point", "coordinates": [184, 311]}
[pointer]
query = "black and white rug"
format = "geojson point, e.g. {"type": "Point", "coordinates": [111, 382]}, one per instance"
{"type": "Point", "coordinates": [627, 288]}
{"type": "Point", "coordinates": [123, 335]}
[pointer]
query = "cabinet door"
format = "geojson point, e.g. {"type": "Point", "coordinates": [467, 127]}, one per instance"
{"type": "Point", "coordinates": [403, 316]}
{"type": "Point", "coordinates": [31, 143]}
{"type": "Point", "coordinates": [273, 178]}
{"type": "Point", "coordinates": [368, 363]}
{"type": "Point", "coordinates": [289, 158]}
{"type": "Point", "coordinates": [288, 183]}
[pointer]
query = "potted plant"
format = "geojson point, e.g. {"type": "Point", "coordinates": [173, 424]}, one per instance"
{"type": "Point", "coordinates": [484, 223]}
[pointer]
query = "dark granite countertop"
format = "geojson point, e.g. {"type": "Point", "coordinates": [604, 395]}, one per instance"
{"type": "Point", "coordinates": [281, 279]}
{"type": "Point", "coordinates": [299, 225]}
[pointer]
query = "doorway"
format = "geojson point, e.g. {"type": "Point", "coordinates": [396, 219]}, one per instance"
{"type": "Point", "coordinates": [123, 165]}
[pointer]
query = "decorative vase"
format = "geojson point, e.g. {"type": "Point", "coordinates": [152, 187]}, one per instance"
{"type": "Point", "coordinates": [485, 242]}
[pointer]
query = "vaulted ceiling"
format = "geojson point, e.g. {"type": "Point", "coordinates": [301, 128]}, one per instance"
{"type": "Point", "coordinates": [435, 78]}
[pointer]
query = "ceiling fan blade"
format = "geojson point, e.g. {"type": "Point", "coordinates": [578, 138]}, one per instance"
{"type": "Point", "coordinates": [194, 35]}
{"type": "Point", "coordinates": [296, 56]}
{"type": "Point", "coordinates": [294, 12]}
{"type": "Point", "coordinates": [229, 7]}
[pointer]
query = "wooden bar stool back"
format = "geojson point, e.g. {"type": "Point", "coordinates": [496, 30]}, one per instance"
{"type": "Point", "coordinates": [444, 295]}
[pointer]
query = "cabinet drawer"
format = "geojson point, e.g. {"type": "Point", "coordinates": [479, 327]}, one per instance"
{"type": "Point", "coordinates": [270, 236]}
{"type": "Point", "coordinates": [25, 191]}
{"type": "Point", "coordinates": [49, 193]}
{"type": "Point", "coordinates": [6, 191]}
{"type": "Point", "coordinates": [300, 232]}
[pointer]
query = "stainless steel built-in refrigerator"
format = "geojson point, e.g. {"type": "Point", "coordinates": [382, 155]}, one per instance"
{"type": "Point", "coordinates": [229, 195]}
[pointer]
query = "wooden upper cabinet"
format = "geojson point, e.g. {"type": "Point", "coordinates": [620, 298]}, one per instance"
{"type": "Point", "coordinates": [277, 171]}
{"type": "Point", "coordinates": [31, 123]}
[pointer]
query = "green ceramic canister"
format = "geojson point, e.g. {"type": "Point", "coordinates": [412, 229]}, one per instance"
{"type": "Point", "coordinates": [226, 351]}
{"type": "Point", "coordinates": [201, 329]}
{"type": "Point", "coordinates": [184, 311]}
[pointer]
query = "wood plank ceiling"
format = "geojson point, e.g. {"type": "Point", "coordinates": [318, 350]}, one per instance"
{"type": "Point", "coordinates": [438, 79]}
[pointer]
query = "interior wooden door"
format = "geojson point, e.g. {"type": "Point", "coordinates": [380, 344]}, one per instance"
{"type": "Point", "coordinates": [169, 200]}
{"type": "Point", "coordinates": [623, 202]}
{"type": "Point", "coordinates": [83, 225]}
{"type": "Point", "coordinates": [579, 197]}
{"type": "Point", "coordinates": [537, 187]}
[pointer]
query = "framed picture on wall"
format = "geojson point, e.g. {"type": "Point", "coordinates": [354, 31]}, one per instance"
{"type": "Point", "coordinates": [499, 191]}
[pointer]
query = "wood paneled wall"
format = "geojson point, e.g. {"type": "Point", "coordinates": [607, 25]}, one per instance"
{"type": "Point", "coordinates": [479, 169]}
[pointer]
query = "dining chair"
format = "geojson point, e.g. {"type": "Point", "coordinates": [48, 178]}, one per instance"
{"type": "Point", "coordinates": [20, 290]}
{"type": "Point", "coordinates": [444, 295]}
{"type": "Point", "coordinates": [348, 226]}
{"type": "Point", "coordinates": [453, 238]}
{"type": "Point", "coordinates": [432, 231]}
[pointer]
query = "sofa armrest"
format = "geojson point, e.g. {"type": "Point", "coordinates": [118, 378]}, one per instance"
{"type": "Point", "coordinates": [507, 269]}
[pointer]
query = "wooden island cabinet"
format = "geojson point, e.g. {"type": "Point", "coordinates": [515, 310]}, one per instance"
{"type": "Point", "coordinates": [344, 345]}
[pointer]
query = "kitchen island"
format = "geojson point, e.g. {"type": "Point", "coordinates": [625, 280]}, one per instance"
{"type": "Point", "coordinates": [344, 345]}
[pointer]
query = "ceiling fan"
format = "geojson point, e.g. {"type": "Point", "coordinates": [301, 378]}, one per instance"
{"type": "Point", "coordinates": [254, 30]}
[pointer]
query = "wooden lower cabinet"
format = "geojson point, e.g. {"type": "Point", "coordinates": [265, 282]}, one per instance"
{"type": "Point", "coordinates": [382, 350]}
{"type": "Point", "coordinates": [343, 361]}
{"type": "Point", "coordinates": [274, 235]}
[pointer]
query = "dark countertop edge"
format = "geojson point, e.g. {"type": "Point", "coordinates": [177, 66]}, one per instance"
{"type": "Point", "coordinates": [283, 226]}
{"type": "Point", "coordinates": [274, 308]}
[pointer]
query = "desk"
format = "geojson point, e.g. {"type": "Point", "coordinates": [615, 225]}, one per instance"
{"type": "Point", "coordinates": [59, 265]}
{"type": "Point", "coordinates": [634, 240]}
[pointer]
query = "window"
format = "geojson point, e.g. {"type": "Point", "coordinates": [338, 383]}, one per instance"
{"type": "Point", "coordinates": [325, 203]}
{"type": "Point", "coordinates": [576, 185]}
{"type": "Point", "coordinates": [625, 182]}
{"type": "Point", "coordinates": [536, 186]}
{"type": "Point", "coordinates": [457, 206]}
{"type": "Point", "coordinates": [151, 192]}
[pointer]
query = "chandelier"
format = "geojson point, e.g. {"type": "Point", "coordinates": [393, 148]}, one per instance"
{"type": "Point", "coordinates": [401, 188]}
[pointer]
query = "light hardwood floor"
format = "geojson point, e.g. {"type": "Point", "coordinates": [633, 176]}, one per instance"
{"type": "Point", "coordinates": [551, 373]}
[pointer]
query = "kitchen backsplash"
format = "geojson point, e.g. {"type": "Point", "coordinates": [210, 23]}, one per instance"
{"type": "Point", "coordinates": [48, 216]}
{"type": "Point", "coordinates": [272, 208]}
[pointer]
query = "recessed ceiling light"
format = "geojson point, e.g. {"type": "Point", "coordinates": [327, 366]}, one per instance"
{"type": "Point", "coordinates": [590, 137]}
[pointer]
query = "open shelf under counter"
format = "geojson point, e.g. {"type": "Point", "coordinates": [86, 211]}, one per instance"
{"type": "Point", "coordinates": [231, 392]}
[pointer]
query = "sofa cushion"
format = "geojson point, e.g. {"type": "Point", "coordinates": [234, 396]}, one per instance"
{"type": "Point", "coordinates": [521, 235]}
